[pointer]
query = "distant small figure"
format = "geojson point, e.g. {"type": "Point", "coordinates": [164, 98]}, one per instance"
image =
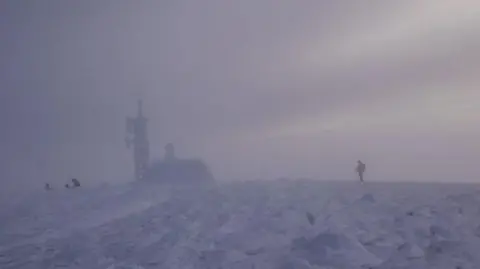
{"type": "Point", "coordinates": [47, 187]}
{"type": "Point", "coordinates": [75, 182]}
{"type": "Point", "coordinates": [67, 186]}
{"type": "Point", "coordinates": [360, 170]}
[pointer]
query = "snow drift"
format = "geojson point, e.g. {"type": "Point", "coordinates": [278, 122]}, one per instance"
{"type": "Point", "coordinates": [261, 225]}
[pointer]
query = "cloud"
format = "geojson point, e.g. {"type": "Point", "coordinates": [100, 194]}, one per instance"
{"type": "Point", "coordinates": [221, 76]}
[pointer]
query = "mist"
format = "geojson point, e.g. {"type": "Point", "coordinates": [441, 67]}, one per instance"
{"type": "Point", "coordinates": [257, 89]}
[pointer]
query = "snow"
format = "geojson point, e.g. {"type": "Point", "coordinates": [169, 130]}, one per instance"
{"type": "Point", "coordinates": [256, 224]}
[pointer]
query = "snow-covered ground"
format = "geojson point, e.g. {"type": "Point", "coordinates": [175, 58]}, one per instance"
{"type": "Point", "coordinates": [258, 224]}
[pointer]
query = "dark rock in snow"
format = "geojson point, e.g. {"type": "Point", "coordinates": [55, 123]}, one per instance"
{"type": "Point", "coordinates": [311, 218]}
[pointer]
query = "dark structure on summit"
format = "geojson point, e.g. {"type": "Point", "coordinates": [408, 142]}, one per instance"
{"type": "Point", "coordinates": [169, 170]}
{"type": "Point", "coordinates": [174, 170]}
{"type": "Point", "coordinates": [137, 136]}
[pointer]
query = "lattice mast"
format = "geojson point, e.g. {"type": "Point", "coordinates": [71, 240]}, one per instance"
{"type": "Point", "coordinates": [138, 138]}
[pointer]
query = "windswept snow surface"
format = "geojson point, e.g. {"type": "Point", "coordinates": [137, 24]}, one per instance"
{"type": "Point", "coordinates": [263, 225]}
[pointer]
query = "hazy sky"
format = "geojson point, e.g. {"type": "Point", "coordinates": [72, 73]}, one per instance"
{"type": "Point", "coordinates": [258, 88]}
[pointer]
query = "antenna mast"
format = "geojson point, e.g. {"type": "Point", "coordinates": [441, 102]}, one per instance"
{"type": "Point", "coordinates": [137, 137]}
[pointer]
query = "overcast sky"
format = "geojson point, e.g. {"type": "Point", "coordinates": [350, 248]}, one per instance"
{"type": "Point", "coordinates": [257, 88]}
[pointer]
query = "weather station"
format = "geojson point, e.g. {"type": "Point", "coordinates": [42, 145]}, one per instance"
{"type": "Point", "coordinates": [169, 169]}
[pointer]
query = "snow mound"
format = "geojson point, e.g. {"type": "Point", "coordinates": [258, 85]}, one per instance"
{"type": "Point", "coordinates": [262, 225]}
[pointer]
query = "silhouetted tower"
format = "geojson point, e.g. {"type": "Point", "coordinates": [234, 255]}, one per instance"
{"type": "Point", "coordinates": [137, 136]}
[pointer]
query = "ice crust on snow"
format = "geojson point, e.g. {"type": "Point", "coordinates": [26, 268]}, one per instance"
{"type": "Point", "coordinates": [257, 224]}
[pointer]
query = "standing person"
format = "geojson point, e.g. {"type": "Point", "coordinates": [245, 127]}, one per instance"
{"type": "Point", "coordinates": [360, 169]}
{"type": "Point", "coordinates": [48, 187]}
